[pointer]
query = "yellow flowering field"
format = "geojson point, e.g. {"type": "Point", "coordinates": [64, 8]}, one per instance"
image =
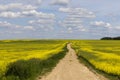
{"type": "Point", "coordinates": [12, 51]}
{"type": "Point", "coordinates": [103, 55]}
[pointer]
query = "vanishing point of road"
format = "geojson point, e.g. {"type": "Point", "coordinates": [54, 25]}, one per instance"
{"type": "Point", "coordinates": [69, 68]}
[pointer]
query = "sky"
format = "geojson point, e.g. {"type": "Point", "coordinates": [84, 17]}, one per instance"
{"type": "Point", "coordinates": [59, 19]}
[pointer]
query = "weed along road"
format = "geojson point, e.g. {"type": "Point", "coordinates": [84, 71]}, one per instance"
{"type": "Point", "coordinates": [69, 68]}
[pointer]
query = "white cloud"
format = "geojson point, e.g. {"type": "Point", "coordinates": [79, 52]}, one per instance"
{"type": "Point", "coordinates": [81, 28]}
{"type": "Point", "coordinates": [29, 28]}
{"type": "Point", "coordinates": [32, 2]}
{"type": "Point", "coordinates": [37, 14]}
{"type": "Point", "coordinates": [65, 10]}
{"type": "Point", "coordinates": [10, 14]}
{"type": "Point", "coordinates": [117, 27]}
{"type": "Point", "coordinates": [17, 10]}
{"type": "Point", "coordinates": [39, 1]}
{"type": "Point", "coordinates": [74, 19]}
{"type": "Point", "coordinates": [42, 21]}
{"type": "Point", "coordinates": [30, 13]}
{"type": "Point", "coordinates": [60, 2]}
{"type": "Point", "coordinates": [101, 24]}
{"type": "Point", "coordinates": [5, 24]}
{"type": "Point", "coordinates": [73, 26]}
{"type": "Point", "coordinates": [8, 25]}
{"type": "Point", "coordinates": [16, 6]}
{"type": "Point", "coordinates": [70, 30]}
{"type": "Point", "coordinates": [78, 12]}
{"type": "Point", "coordinates": [44, 24]}
{"type": "Point", "coordinates": [104, 28]}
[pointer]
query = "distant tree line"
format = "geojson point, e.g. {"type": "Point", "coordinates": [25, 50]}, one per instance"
{"type": "Point", "coordinates": [110, 38]}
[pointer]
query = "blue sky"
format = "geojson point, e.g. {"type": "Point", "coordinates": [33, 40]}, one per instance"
{"type": "Point", "coordinates": [59, 19]}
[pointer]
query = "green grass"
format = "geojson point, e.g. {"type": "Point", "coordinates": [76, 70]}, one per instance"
{"type": "Point", "coordinates": [102, 55]}
{"type": "Point", "coordinates": [25, 60]}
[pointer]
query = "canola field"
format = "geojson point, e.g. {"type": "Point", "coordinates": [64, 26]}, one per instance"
{"type": "Point", "coordinates": [42, 55]}
{"type": "Point", "coordinates": [12, 51]}
{"type": "Point", "coordinates": [104, 55]}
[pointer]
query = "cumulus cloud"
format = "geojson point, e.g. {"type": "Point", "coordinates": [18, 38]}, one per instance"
{"type": "Point", "coordinates": [42, 21]}
{"type": "Point", "coordinates": [82, 28]}
{"type": "Point", "coordinates": [73, 26]}
{"type": "Point", "coordinates": [117, 27]}
{"type": "Point", "coordinates": [74, 19]}
{"type": "Point", "coordinates": [45, 21]}
{"type": "Point", "coordinates": [17, 10]}
{"type": "Point", "coordinates": [10, 14]}
{"type": "Point", "coordinates": [104, 28]}
{"type": "Point", "coordinates": [39, 1]}
{"type": "Point", "coordinates": [16, 6]}
{"type": "Point", "coordinates": [70, 30]}
{"type": "Point", "coordinates": [34, 13]}
{"type": "Point", "coordinates": [30, 13]}
{"type": "Point", "coordinates": [31, 2]}
{"type": "Point", "coordinates": [44, 24]}
{"type": "Point", "coordinates": [5, 24]}
{"type": "Point", "coordinates": [60, 2]}
{"type": "Point", "coordinates": [101, 24]}
{"type": "Point", "coordinates": [78, 12]}
{"type": "Point", "coordinates": [29, 28]}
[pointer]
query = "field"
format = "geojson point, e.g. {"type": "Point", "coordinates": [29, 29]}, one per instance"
{"type": "Point", "coordinates": [27, 53]}
{"type": "Point", "coordinates": [103, 55]}
{"type": "Point", "coordinates": [27, 59]}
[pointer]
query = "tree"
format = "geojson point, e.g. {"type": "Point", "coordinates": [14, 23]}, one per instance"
{"type": "Point", "coordinates": [116, 38]}
{"type": "Point", "coordinates": [110, 38]}
{"type": "Point", "coordinates": [106, 38]}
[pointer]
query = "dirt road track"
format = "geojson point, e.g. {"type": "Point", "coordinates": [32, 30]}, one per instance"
{"type": "Point", "coordinates": [69, 68]}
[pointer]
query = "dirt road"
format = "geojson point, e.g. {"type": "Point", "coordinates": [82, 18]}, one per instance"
{"type": "Point", "coordinates": [69, 68]}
